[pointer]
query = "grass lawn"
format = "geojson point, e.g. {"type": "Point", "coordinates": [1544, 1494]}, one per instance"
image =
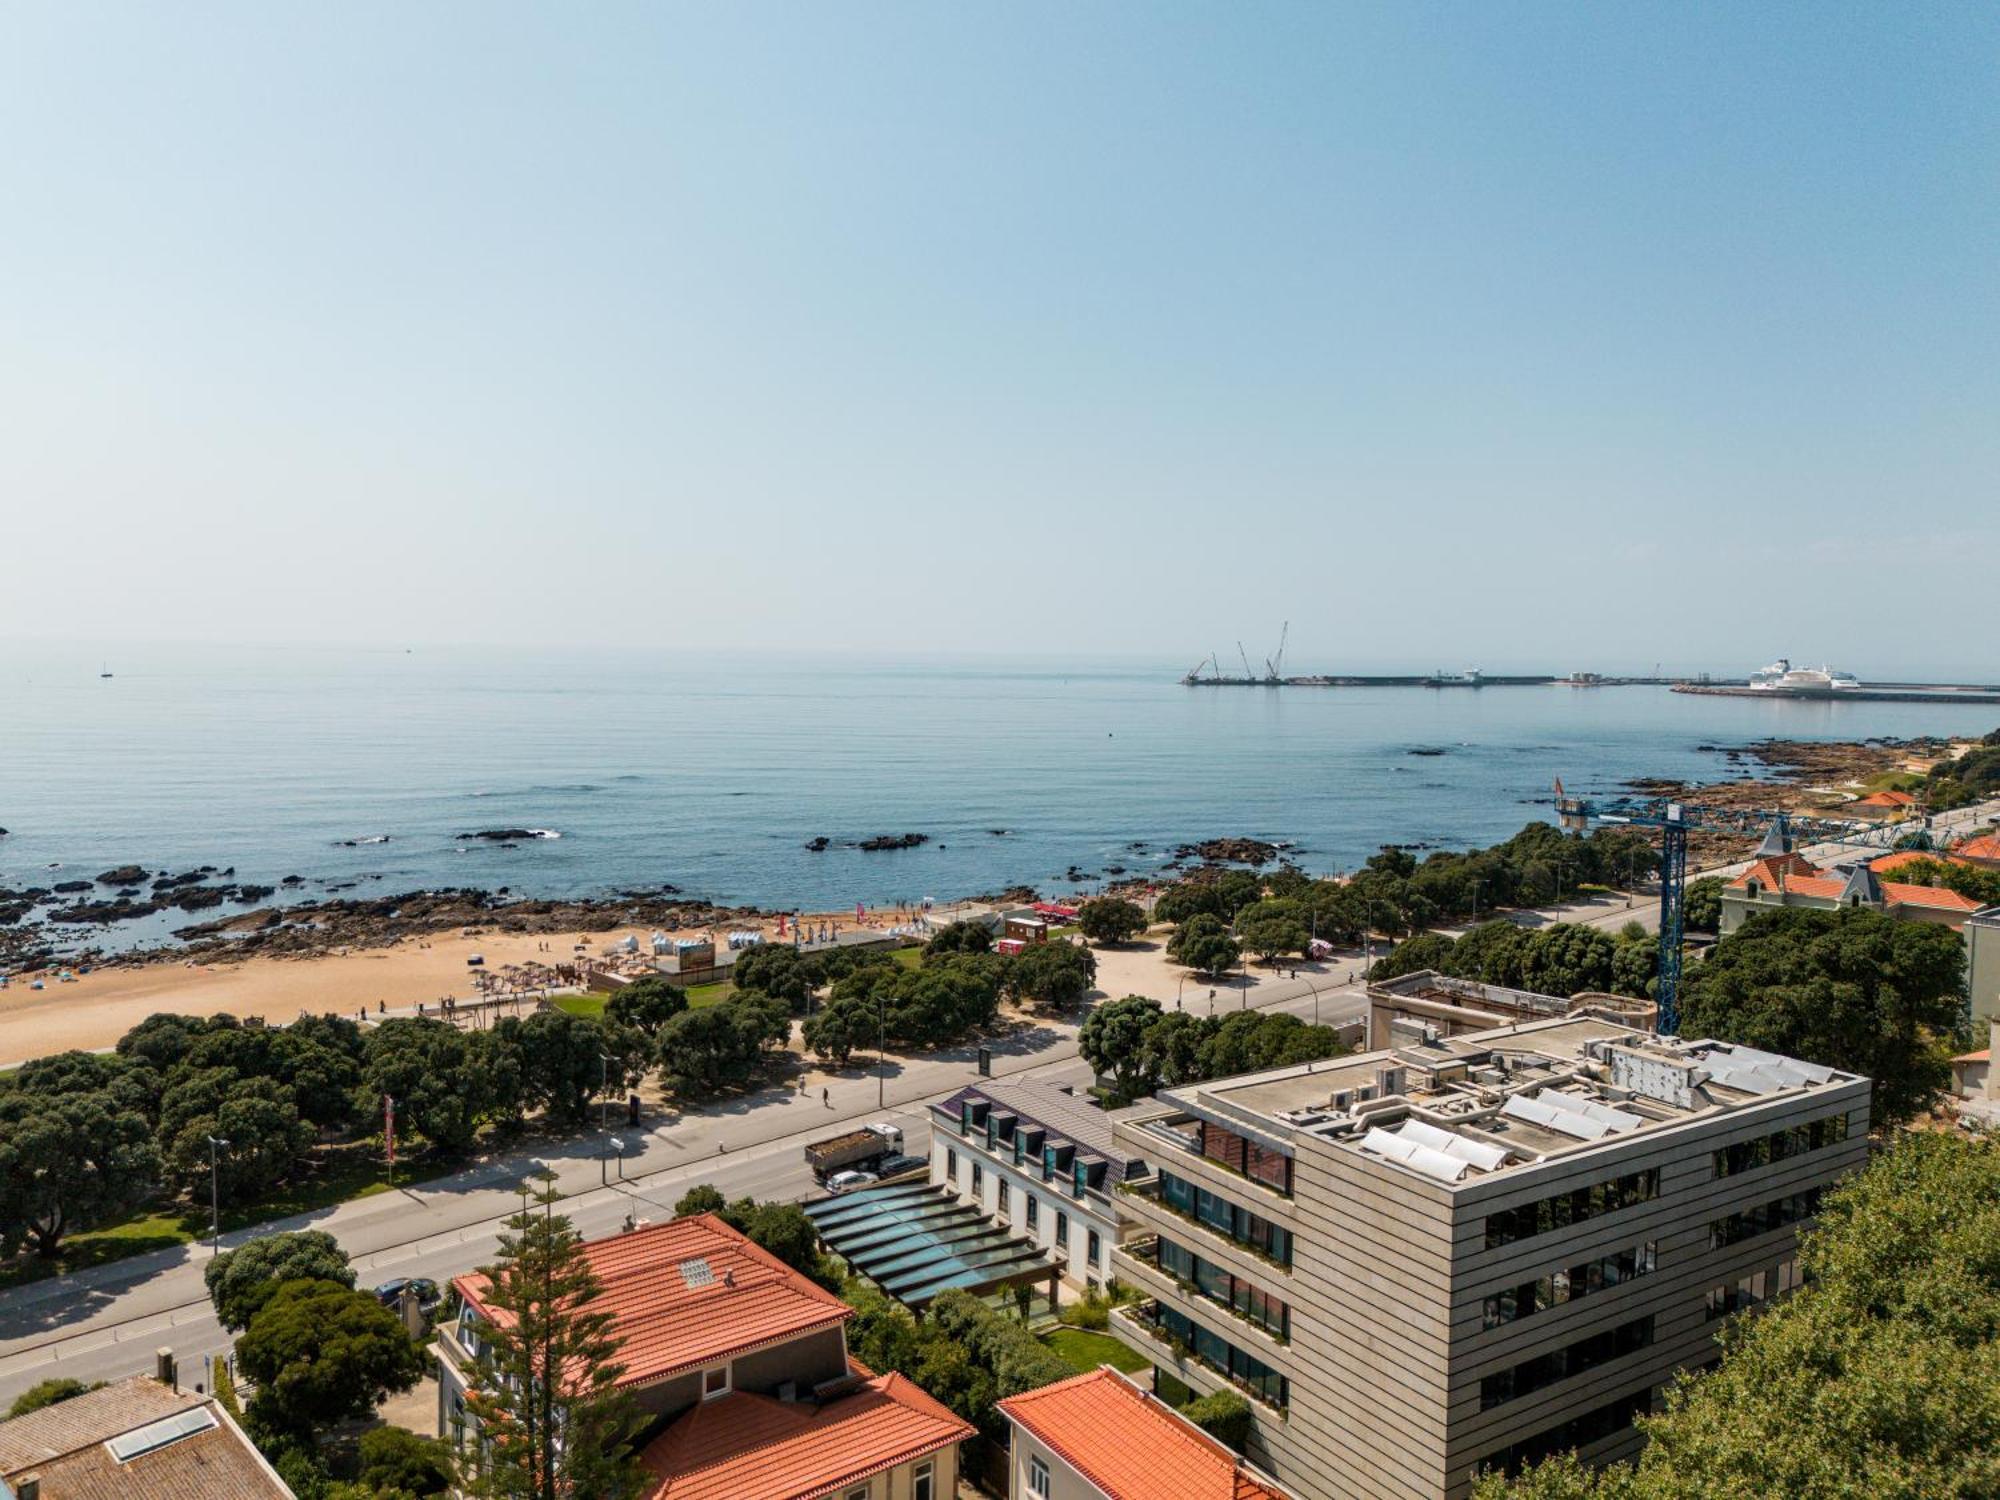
{"type": "Point", "coordinates": [345, 1172]}
{"type": "Point", "coordinates": [909, 958]}
{"type": "Point", "coordinates": [1085, 1350]}
{"type": "Point", "coordinates": [710, 994]}
{"type": "Point", "coordinates": [589, 1005]}
{"type": "Point", "coordinates": [1894, 781]}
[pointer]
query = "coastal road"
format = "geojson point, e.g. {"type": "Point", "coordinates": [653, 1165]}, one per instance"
{"type": "Point", "coordinates": [106, 1322]}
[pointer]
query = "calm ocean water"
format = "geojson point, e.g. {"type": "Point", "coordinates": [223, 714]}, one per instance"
{"type": "Point", "coordinates": [712, 774]}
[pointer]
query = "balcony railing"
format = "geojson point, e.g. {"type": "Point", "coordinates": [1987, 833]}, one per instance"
{"type": "Point", "coordinates": [1149, 1189]}
{"type": "Point", "coordinates": [1148, 1260]}
{"type": "Point", "coordinates": [1145, 1317]}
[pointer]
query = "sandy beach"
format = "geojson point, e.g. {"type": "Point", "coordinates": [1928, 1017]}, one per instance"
{"type": "Point", "coordinates": [101, 1006]}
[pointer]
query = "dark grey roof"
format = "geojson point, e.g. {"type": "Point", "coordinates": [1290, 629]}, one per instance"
{"type": "Point", "coordinates": [1058, 1111]}
{"type": "Point", "coordinates": [1777, 840]}
{"type": "Point", "coordinates": [1862, 883]}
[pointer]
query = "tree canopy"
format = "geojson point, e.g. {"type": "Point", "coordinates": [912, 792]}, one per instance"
{"type": "Point", "coordinates": [242, 1280]}
{"type": "Point", "coordinates": [321, 1353]}
{"type": "Point", "coordinates": [1142, 1047]}
{"type": "Point", "coordinates": [1108, 920]}
{"type": "Point", "coordinates": [1853, 989]}
{"type": "Point", "coordinates": [1880, 1377]}
{"type": "Point", "coordinates": [1203, 944]}
{"type": "Point", "coordinates": [1055, 974]}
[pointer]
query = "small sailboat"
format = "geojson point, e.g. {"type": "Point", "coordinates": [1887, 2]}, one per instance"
{"type": "Point", "coordinates": [104, 669]}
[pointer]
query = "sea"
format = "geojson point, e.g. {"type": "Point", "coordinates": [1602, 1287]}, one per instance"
{"type": "Point", "coordinates": [359, 770]}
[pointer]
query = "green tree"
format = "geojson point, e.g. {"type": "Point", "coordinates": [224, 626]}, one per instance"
{"type": "Point", "coordinates": [702, 1052]}
{"type": "Point", "coordinates": [1970, 881]}
{"type": "Point", "coordinates": [398, 1462]}
{"type": "Point", "coordinates": [1172, 1050]}
{"type": "Point", "coordinates": [1852, 989]}
{"type": "Point", "coordinates": [1204, 945]}
{"type": "Point", "coordinates": [836, 1030]}
{"type": "Point", "coordinates": [1701, 904]}
{"type": "Point", "coordinates": [1493, 953]}
{"type": "Point", "coordinates": [242, 1280]}
{"type": "Point", "coordinates": [267, 1142]}
{"type": "Point", "coordinates": [553, 1423]}
{"type": "Point", "coordinates": [1055, 974]}
{"type": "Point", "coordinates": [319, 1058]}
{"type": "Point", "coordinates": [780, 971]}
{"type": "Point", "coordinates": [702, 1198]}
{"type": "Point", "coordinates": [1224, 1416]}
{"type": "Point", "coordinates": [1879, 1378]}
{"type": "Point", "coordinates": [67, 1162]}
{"type": "Point", "coordinates": [1112, 1040]}
{"type": "Point", "coordinates": [48, 1393]}
{"type": "Point", "coordinates": [1271, 929]}
{"type": "Point", "coordinates": [960, 937]}
{"type": "Point", "coordinates": [647, 1004]}
{"type": "Point", "coordinates": [442, 1084]}
{"type": "Point", "coordinates": [1109, 920]}
{"type": "Point", "coordinates": [1568, 958]}
{"type": "Point", "coordinates": [1427, 950]}
{"type": "Point", "coordinates": [321, 1353]}
{"type": "Point", "coordinates": [560, 1062]}
{"type": "Point", "coordinates": [1190, 898]}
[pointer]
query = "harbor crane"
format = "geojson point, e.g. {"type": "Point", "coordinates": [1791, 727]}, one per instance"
{"type": "Point", "coordinates": [1782, 831]}
{"type": "Point", "coordinates": [1274, 666]}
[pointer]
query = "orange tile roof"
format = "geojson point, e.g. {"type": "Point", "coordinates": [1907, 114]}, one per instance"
{"type": "Point", "coordinates": [1984, 1054]}
{"type": "Point", "coordinates": [1887, 799]}
{"type": "Point", "coordinates": [665, 1326]}
{"type": "Point", "coordinates": [1790, 866]}
{"type": "Point", "coordinates": [1982, 846]}
{"type": "Point", "coordinates": [1937, 896]}
{"type": "Point", "coordinates": [1130, 1445]}
{"type": "Point", "coordinates": [750, 1447]}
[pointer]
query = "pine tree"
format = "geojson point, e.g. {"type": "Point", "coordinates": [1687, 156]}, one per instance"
{"type": "Point", "coordinates": [552, 1423]}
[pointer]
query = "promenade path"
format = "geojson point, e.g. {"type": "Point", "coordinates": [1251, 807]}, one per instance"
{"type": "Point", "coordinates": [105, 1322]}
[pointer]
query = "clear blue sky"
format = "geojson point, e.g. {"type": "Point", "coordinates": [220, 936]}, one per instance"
{"type": "Point", "coordinates": [1486, 334]}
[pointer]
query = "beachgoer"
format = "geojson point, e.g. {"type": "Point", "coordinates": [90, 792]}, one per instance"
{"type": "Point", "coordinates": [826, 1098]}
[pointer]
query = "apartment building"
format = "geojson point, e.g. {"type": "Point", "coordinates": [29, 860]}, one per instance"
{"type": "Point", "coordinates": [1469, 1252]}
{"type": "Point", "coordinates": [1424, 1005]}
{"type": "Point", "coordinates": [1788, 880]}
{"type": "Point", "coordinates": [1040, 1161]}
{"type": "Point", "coordinates": [739, 1368]}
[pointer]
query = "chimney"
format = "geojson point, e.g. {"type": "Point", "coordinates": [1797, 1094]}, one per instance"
{"type": "Point", "coordinates": [165, 1370]}
{"type": "Point", "coordinates": [28, 1487]}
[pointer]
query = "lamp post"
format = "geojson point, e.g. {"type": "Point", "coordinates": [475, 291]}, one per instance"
{"type": "Point", "coordinates": [215, 1145]}
{"type": "Point", "coordinates": [604, 1163]}
{"type": "Point", "coordinates": [618, 1142]}
{"type": "Point", "coordinates": [1315, 994]}
{"type": "Point", "coordinates": [881, 1046]}
{"type": "Point", "coordinates": [1177, 991]}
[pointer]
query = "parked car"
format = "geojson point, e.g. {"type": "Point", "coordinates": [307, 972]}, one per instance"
{"type": "Point", "coordinates": [847, 1182]}
{"type": "Point", "coordinates": [390, 1293]}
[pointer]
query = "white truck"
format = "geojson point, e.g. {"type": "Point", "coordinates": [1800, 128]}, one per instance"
{"type": "Point", "coordinates": [855, 1150]}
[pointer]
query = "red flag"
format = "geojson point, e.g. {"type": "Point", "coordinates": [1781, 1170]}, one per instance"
{"type": "Point", "coordinates": [389, 1127]}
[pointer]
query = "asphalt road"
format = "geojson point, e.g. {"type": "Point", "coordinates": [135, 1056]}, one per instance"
{"type": "Point", "coordinates": [106, 1322]}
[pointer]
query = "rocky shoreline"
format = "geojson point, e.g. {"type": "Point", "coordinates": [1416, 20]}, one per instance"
{"type": "Point", "coordinates": [44, 925]}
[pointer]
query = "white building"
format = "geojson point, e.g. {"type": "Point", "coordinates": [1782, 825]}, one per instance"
{"type": "Point", "coordinates": [1039, 1160]}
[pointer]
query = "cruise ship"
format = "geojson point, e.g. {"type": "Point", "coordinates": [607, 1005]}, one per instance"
{"type": "Point", "coordinates": [1782, 677]}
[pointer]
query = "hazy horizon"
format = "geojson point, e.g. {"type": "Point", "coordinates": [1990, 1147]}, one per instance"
{"type": "Point", "coordinates": [1566, 337]}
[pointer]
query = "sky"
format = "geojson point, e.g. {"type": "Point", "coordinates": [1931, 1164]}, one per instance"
{"type": "Point", "coordinates": [1531, 335]}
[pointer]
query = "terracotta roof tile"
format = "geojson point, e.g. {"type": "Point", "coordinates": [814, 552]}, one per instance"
{"type": "Point", "coordinates": [1130, 1445]}
{"type": "Point", "coordinates": [1802, 878]}
{"type": "Point", "coordinates": [747, 1298]}
{"type": "Point", "coordinates": [1981, 846]}
{"type": "Point", "coordinates": [1984, 1054]}
{"type": "Point", "coordinates": [1887, 799]}
{"type": "Point", "coordinates": [749, 1447]}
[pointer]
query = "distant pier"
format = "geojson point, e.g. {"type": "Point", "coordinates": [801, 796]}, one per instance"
{"type": "Point", "coordinates": [1881, 692]}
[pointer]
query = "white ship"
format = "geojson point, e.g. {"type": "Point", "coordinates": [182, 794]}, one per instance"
{"type": "Point", "coordinates": [1782, 677]}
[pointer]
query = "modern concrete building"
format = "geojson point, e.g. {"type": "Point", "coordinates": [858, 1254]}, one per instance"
{"type": "Point", "coordinates": [1471, 1252]}
{"type": "Point", "coordinates": [1982, 964]}
{"type": "Point", "coordinates": [1426, 1005]}
{"type": "Point", "coordinates": [1038, 1160]}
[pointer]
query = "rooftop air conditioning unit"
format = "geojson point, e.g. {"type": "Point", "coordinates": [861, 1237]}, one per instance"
{"type": "Point", "coordinates": [1343, 1099]}
{"type": "Point", "coordinates": [1363, 1094]}
{"type": "Point", "coordinates": [1389, 1080]}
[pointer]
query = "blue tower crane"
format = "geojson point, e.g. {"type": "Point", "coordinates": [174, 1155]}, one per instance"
{"type": "Point", "coordinates": [1781, 832]}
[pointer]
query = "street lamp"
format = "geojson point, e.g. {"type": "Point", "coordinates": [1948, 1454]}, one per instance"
{"type": "Point", "coordinates": [603, 1163]}
{"type": "Point", "coordinates": [1177, 991]}
{"type": "Point", "coordinates": [215, 1146]}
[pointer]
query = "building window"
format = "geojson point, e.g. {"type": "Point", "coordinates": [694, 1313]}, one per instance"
{"type": "Point", "coordinates": [1038, 1479]}
{"type": "Point", "coordinates": [1034, 1211]}
{"type": "Point", "coordinates": [951, 1167]}
{"type": "Point", "coordinates": [1747, 1156]}
{"type": "Point", "coordinates": [978, 1179]}
{"type": "Point", "coordinates": [1020, 1144]}
{"type": "Point", "coordinates": [992, 1131]}
{"type": "Point", "coordinates": [965, 1117]}
{"type": "Point", "coordinates": [1003, 1197]}
{"type": "Point", "coordinates": [1048, 1163]}
{"type": "Point", "coordinates": [1272, 1169]}
{"type": "Point", "coordinates": [1062, 1233]}
{"type": "Point", "coordinates": [1559, 1364]}
{"type": "Point", "coordinates": [1751, 1222]}
{"type": "Point", "coordinates": [715, 1382]}
{"type": "Point", "coordinates": [1096, 1244]}
{"type": "Point", "coordinates": [924, 1485]}
{"type": "Point", "coordinates": [1566, 1285]}
{"type": "Point", "coordinates": [1252, 1302]}
{"type": "Point", "coordinates": [1561, 1210]}
{"type": "Point", "coordinates": [1751, 1291]}
{"type": "Point", "coordinates": [859, 1492]}
{"type": "Point", "coordinates": [1246, 1370]}
{"type": "Point", "coordinates": [1270, 1240]}
{"type": "Point", "coordinates": [1577, 1432]}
